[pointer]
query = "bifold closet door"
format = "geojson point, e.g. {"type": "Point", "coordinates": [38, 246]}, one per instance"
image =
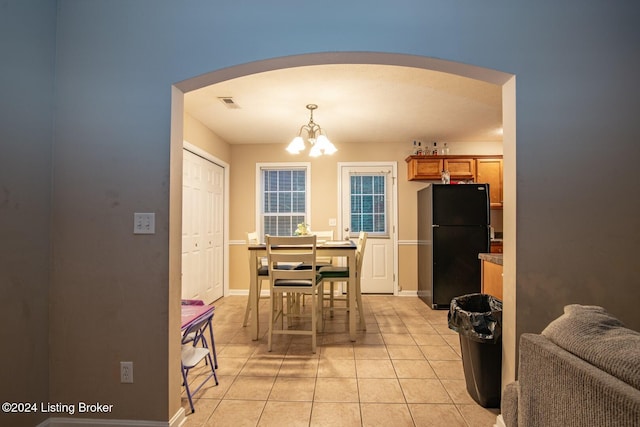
{"type": "Point", "coordinates": [202, 228]}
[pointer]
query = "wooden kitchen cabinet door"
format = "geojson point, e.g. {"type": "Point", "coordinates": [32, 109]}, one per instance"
{"type": "Point", "coordinates": [492, 279]}
{"type": "Point", "coordinates": [490, 171]}
{"type": "Point", "coordinates": [424, 167]}
{"type": "Point", "coordinates": [464, 169]}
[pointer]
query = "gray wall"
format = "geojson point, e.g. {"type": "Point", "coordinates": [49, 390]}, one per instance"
{"type": "Point", "coordinates": [575, 62]}
{"type": "Point", "coordinates": [26, 135]}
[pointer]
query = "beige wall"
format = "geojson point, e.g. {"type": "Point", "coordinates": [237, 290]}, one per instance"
{"type": "Point", "coordinates": [324, 190]}
{"type": "Point", "coordinates": [199, 135]}
{"type": "Point", "coordinates": [324, 195]}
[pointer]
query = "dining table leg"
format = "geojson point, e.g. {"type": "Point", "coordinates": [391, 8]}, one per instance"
{"type": "Point", "coordinates": [254, 323]}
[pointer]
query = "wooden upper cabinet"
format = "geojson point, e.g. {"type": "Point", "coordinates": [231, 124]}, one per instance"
{"type": "Point", "coordinates": [461, 168]}
{"type": "Point", "coordinates": [424, 167]}
{"type": "Point", "coordinates": [478, 168]}
{"type": "Point", "coordinates": [490, 171]}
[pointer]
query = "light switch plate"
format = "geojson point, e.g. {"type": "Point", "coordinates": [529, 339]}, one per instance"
{"type": "Point", "coordinates": [332, 222]}
{"type": "Point", "coordinates": [144, 223]}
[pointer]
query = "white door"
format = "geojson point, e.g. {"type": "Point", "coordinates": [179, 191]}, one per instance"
{"type": "Point", "coordinates": [367, 204]}
{"type": "Point", "coordinates": [202, 229]}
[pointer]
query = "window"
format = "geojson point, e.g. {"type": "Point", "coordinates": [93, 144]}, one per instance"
{"type": "Point", "coordinates": [368, 204]}
{"type": "Point", "coordinates": [284, 198]}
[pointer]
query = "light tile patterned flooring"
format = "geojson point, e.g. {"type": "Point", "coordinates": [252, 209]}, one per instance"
{"type": "Point", "coordinates": [405, 370]}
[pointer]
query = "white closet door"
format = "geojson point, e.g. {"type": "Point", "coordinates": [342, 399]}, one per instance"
{"type": "Point", "coordinates": [202, 229]}
{"type": "Point", "coordinates": [213, 230]}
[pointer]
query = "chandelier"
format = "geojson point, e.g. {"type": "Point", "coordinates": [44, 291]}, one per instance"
{"type": "Point", "coordinates": [320, 144]}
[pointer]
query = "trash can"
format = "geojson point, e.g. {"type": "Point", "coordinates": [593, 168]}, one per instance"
{"type": "Point", "coordinates": [478, 320]}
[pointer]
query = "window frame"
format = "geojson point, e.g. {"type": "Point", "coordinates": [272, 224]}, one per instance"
{"type": "Point", "coordinates": [260, 167]}
{"type": "Point", "coordinates": [386, 203]}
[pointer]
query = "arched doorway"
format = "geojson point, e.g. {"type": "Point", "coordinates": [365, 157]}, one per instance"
{"type": "Point", "coordinates": [505, 80]}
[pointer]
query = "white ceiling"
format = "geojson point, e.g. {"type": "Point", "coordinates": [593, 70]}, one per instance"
{"type": "Point", "coordinates": [356, 103]}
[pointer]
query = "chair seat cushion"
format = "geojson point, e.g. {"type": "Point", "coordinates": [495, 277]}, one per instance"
{"type": "Point", "coordinates": [330, 272]}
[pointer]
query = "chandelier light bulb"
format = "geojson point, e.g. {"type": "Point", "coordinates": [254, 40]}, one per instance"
{"type": "Point", "coordinates": [296, 146]}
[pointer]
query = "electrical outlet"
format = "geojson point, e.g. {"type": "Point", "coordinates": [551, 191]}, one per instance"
{"type": "Point", "coordinates": [126, 372]}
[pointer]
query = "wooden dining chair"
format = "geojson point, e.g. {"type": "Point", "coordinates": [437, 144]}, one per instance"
{"type": "Point", "coordinates": [333, 274]}
{"type": "Point", "coordinates": [321, 261]}
{"type": "Point", "coordinates": [292, 283]}
{"type": "Point", "coordinates": [323, 236]}
{"type": "Point", "coordinates": [263, 274]}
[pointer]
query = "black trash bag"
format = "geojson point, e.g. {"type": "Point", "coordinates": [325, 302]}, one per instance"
{"type": "Point", "coordinates": [477, 317]}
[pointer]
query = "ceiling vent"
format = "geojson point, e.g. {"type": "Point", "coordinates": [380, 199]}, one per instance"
{"type": "Point", "coordinates": [228, 102]}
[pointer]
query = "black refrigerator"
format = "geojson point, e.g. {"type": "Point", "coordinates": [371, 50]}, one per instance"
{"type": "Point", "coordinates": [453, 228]}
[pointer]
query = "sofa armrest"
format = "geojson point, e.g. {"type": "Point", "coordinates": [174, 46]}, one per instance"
{"type": "Point", "coordinates": [509, 404]}
{"type": "Point", "coordinates": [558, 388]}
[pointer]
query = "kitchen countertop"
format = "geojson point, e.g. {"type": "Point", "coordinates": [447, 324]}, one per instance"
{"type": "Point", "coordinates": [493, 258]}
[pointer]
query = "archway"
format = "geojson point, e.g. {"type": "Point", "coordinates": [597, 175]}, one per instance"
{"type": "Point", "coordinates": [505, 80]}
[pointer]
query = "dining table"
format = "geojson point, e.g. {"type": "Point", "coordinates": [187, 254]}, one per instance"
{"type": "Point", "coordinates": [345, 249]}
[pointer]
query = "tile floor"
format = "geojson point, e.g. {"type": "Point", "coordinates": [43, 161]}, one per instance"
{"type": "Point", "coordinates": [405, 370]}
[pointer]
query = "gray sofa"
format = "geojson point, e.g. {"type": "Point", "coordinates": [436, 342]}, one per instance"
{"type": "Point", "coordinates": [582, 370]}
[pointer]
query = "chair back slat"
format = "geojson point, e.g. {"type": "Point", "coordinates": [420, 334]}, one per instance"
{"type": "Point", "coordinates": [300, 249]}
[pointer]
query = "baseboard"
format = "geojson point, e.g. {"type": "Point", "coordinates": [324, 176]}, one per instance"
{"type": "Point", "coordinates": [245, 292]}
{"type": "Point", "coordinates": [265, 293]}
{"type": "Point", "coordinates": [499, 422]}
{"type": "Point", "coordinates": [177, 420]}
{"type": "Point", "coordinates": [408, 293]}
